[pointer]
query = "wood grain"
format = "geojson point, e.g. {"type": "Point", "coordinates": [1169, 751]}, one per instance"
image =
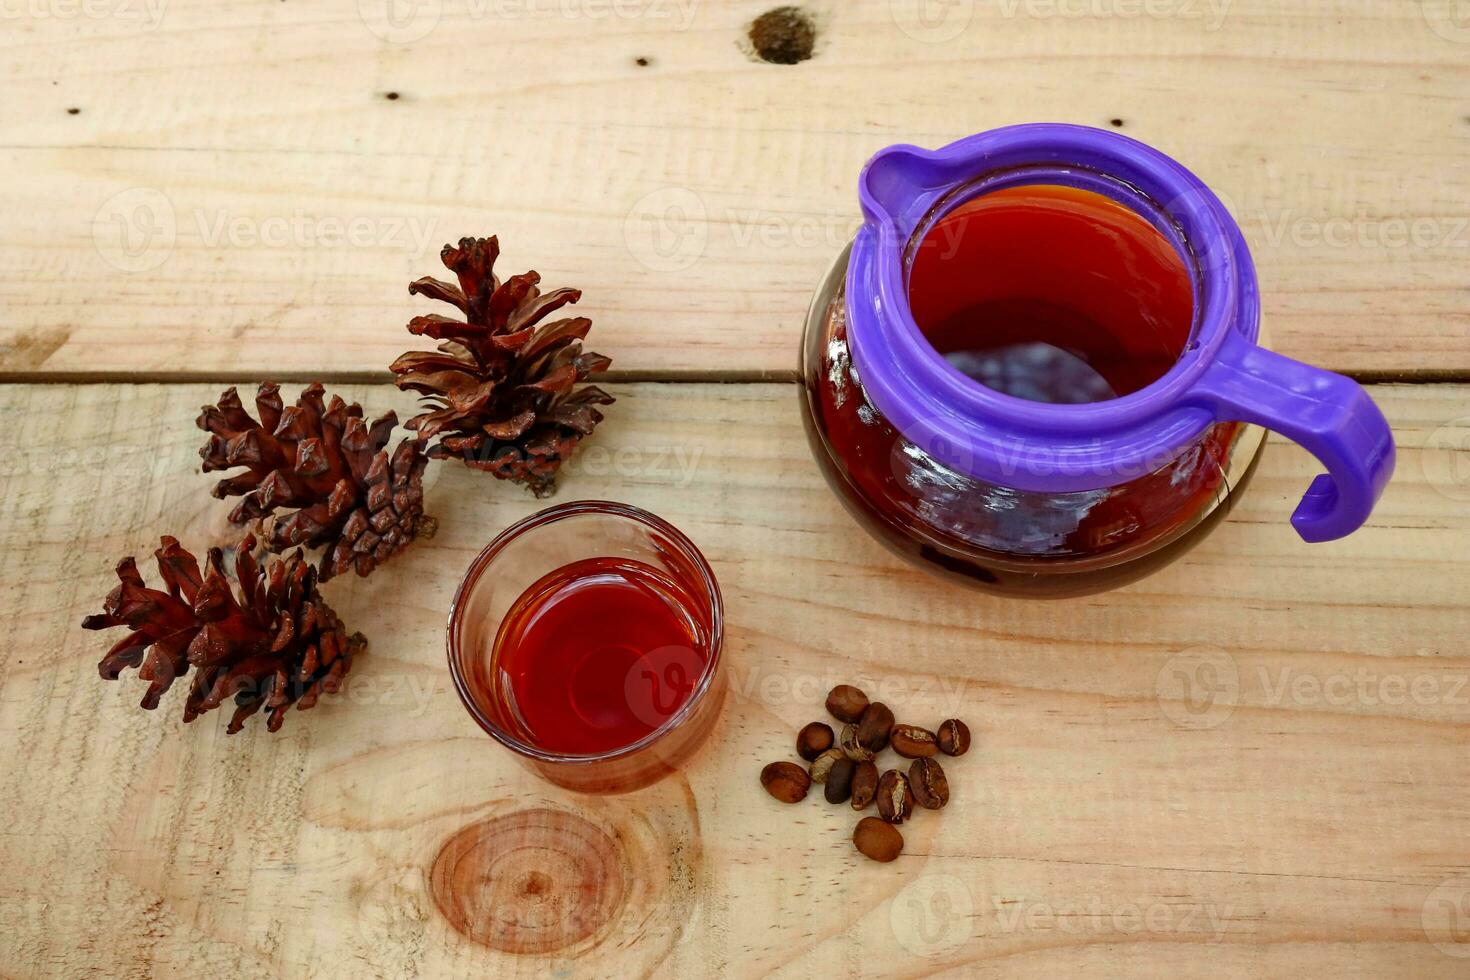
{"type": "Point", "coordinates": [238, 193]}
{"type": "Point", "coordinates": [1249, 764]}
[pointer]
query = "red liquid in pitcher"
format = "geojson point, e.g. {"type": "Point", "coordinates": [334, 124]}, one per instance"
{"type": "Point", "coordinates": [597, 654]}
{"type": "Point", "coordinates": [1053, 294]}
{"type": "Point", "coordinates": [1047, 293]}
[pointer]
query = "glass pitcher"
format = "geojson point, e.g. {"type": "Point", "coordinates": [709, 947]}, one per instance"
{"type": "Point", "coordinates": [1096, 481]}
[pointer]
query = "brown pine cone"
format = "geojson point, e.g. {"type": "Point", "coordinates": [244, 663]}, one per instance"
{"type": "Point", "coordinates": [324, 468]}
{"type": "Point", "coordinates": [277, 644]}
{"type": "Point", "coordinates": [501, 390]}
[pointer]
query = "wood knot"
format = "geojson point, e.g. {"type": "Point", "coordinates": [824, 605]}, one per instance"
{"type": "Point", "coordinates": [533, 881]}
{"type": "Point", "coordinates": [783, 36]}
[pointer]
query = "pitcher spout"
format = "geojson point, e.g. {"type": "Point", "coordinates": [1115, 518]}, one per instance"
{"type": "Point", "coordinates": [898, 185]}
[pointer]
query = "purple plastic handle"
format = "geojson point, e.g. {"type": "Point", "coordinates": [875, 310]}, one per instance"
{"type": "Point", "coordinates": [1329, 415]}
{"type": "Point", "coordinates": [1223, 375]}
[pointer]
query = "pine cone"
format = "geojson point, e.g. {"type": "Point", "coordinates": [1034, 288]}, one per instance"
{"type": "Point", "coordinates": [501, 390]}
{"type": "Point", "coordinates": [327, 467]}
{"type": "Point", "coordinates": [276, 645]}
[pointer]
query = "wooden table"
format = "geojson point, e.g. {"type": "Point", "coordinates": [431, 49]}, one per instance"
{"type": "Point", "coordinates": [1253, 763]}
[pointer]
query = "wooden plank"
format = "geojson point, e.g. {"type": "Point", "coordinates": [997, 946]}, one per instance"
{"type": "Point", "coordinates": [276, 202]}
{"type": "Point", "coordinates": [1309, 817]}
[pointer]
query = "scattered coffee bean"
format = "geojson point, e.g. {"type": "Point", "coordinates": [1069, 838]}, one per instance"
{"type": "Point", "coordinates": [850, 745]}
{"type": "Point", "coordinates": [844, 763]}
{"type": "Point", "coordinates": [822, 764]}
{"type": "Point", "coordinates": [877, 840]}
{"type": "Point", "coordinates": [786, 781]}
{"type": "Point", "coordinates": [813, 740]}
{"type": "Point", "coordinates": [864, 785]}
{"type": "Point", "coordinates": [874, 726]}
{"type": "Point", "coordinates": [839, 781]}
{"type": "Point", "coordinates": [954, 737]}
{"type": "Point", "coordinates": [895, 800]}
{"type": "Point", "coordinates": [913, 742]}
{"type": "Point", "coordinates": [846, 703]}
{"type": "Point", "coordinates": [929, 784]}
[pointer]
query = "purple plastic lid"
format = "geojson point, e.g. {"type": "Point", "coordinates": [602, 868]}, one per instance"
{"type": "Point", "coordinates": [1223, 375]}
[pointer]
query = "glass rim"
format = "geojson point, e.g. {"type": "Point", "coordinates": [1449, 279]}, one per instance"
{"type": "Point", "coordinates": [551, 515]}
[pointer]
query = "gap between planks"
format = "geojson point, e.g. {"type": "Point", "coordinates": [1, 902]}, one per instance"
{"type": "Point", "coordinates": [691, 376]}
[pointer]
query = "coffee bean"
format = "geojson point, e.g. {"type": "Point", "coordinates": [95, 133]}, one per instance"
{"type": "Point", "coordinates": [839, 781]}
{"type": "Point", "coordinates": [895, 800]}
{"type": "Point", "coordinates": [874, 726]}
{"type": "Point", "coordinates": [913, 742]}
{"type": "Point", "coordinates": [877, 840]}
{"type": "Point", "coordinates": [954, 737]}
{"type": "Point", "coordinates": [864, 785]}
{"type": "Point", "coordinates": [846, 703]}
{"type": "Point", "coordinates": [786, 781]}
{"type": "Point", "coordinates": [822, 764]}
{"type": "Point", "coordinates": [929, 784]}
{"type": "Point", "coordinates": [851, 747]}
{"type": "Point", "coordinates": [813, 740]}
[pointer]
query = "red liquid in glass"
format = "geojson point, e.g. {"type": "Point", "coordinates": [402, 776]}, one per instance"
{"type": "Point", "coordinates": [1052, 293]}
{"type": "Point", "coordinates": [597, 654]}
